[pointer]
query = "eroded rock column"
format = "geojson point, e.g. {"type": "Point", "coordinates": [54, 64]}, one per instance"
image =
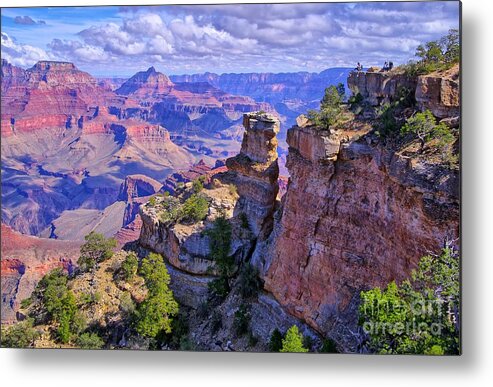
{"type": "Point", "coordinates": [255, 172]}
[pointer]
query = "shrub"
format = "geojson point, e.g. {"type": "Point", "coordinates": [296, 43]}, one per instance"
{"type": "Point", "coordinates": [60, 303]}
{"type": "Point", "coordinates": [293, 342]}
{"type": "Point", "coordinates": [26, 303]}
{"type": "Point", "coordinates": [423, 125]}
{"type": "Point", "coordinates": [194, 209]}
{"type": "Point", "coordinates": [20, 335]}
{"type": "Point", "coordinates": [89, 341]}
{"type": "Point", "coordinates": [127, 305]}
{"type": "Point", "coordinates": [96, 249]}
{"type": "Point", "coordinates": [249, 281]}
{"type": "Point", "coordinates": [152, 201]}
{"type": "Point", "coordinates": [387, 124]}
{"type": "Point", "coordinates": [219, 287]}
{"type": "Point", "coordinates": [429, 301]}
{"type": "Point", "coordinates": [252, 340]}
{"type": "Point", "coordinates": [186, 344]}
{"type": "Point", "coordinates": [197, 186]}
{"type": "Point", "coordinates": [330, 109]}
{"type": "Point", "coordinates": [241, 320]}
{"type": "Point", "coordinates": [275, 342]}
{"type": "Point", "coordinates": [355, 100]}
{"type": "Point", "coordinates": [244, 221]}
{"type": "Point", "coordinates": [154, 314]}
{"type": "Point", "coordinates": [220, 244]}
{"type": "Point", "coordinates": [130, 266]}
{"type": "Point", "coordinates": [308, 342]}
{"type": "Point", "coordinates": [328, 346]}
{"type": "Point", "coordinates": [216, 321]}
{"type": "Point", "coordinates": [171, 210]}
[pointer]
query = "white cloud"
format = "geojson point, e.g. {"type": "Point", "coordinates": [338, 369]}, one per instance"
{"type": "Point", "coordinates": [261, 37]}
{"type": "Point", "coordinates": [22, 55]}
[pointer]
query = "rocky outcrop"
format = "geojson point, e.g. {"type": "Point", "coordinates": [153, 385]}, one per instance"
{"type": "Point", "coordinates": [379, 87]}
{"type": "Point", "coordinates": [136, 186]}
{"type": "Point", "coordinates": [439, 92]}
{"type": "Point", "coordinates": [25, 260]}
{"type": "Point", "coordinates": [255, 172]}
{"type": "Point", "coordinates": [355, 216]}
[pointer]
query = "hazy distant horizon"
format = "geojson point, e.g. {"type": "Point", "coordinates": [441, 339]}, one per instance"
{"type": "Point", "coordinates": [112, 41]}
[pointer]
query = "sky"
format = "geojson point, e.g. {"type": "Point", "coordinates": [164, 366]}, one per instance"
{"type": "Point", "coordinates": [119, 41]}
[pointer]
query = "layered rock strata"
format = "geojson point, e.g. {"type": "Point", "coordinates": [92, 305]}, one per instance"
{"type": "Point", "coordinates": [355, 216]}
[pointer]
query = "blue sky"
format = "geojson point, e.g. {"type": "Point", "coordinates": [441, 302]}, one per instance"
{"type": "Point", "coordinates": [119, 41]}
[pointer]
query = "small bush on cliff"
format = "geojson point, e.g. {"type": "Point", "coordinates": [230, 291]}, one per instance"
{"type": "Point", "coordinates": [130, 266]}
{"type": "Point", "coordinates": [194, 209]}
{"type": "Point", "coordinates": [241, 322]}
{"type": "Point", "coordinates": [419, 316]}
{"type": "Point", "coordinates": [293, 342]}
{"type": "Point", "coordinates": [20, 335]}
{"type": "Point", "coordinates": [96, 249]}
{"type": "Point", "coordinates": [275, 342]}
{"type": "Point", "coordinates": [152, 201]}
{"type": "Point", "coordinates": [89, 341]}
{"type": "Point", "coordinates": [328, 346]}
{"type": "Point", "coordinates": [197, 186]}
{"type": "Point", "coordinates": [249, 282]}
{"type": "Point", "coordinates": [154, 314]}
{"type": "Point", "coordinates": [330, 109]}
{"type": "Point", "coordinates": [170, 210]}
{"type": "Point", "coordinates": [424, 127]}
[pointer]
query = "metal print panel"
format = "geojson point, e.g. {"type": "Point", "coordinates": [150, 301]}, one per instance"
{"type": "Point", "coordinates": [236, 177]}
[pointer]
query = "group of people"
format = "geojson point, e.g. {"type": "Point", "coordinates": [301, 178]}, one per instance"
{"type": "Point", "coordinates": [386, 67]}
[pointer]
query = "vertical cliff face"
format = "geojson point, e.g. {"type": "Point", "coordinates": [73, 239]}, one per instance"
{"type": "Point", "coordinates": [355, 216]}
{"type": "Point", "coordinates": [256, 171]}
{"type": "Point", "coordinates": [438, 92]}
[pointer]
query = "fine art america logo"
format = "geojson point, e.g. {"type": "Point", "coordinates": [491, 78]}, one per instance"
{"type": "Point", "coordinates": [418, 315]}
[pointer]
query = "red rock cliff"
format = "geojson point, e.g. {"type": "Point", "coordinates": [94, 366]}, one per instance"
{"type": "Point", "coordinates": [355, 216]}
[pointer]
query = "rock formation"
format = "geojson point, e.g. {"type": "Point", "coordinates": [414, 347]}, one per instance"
{"type": "Point", "coordinates": [379, 87]}
{"type": "Point", "coordinates": [25, 260]}
{"type": "Point", "coordinates": [256, 171]}
{"type": "Point", "coordinates": [438, 91]}
{"type": "Point", "coordinates": [355, 216]}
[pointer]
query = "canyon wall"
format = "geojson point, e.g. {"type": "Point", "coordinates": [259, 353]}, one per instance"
{"type": "Point", "coordinates": [356, 214]}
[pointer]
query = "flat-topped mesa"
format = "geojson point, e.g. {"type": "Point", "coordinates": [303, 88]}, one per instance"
{"type": "Point", "coordinates": [53, 65]}
{"type": "Point", "coordinates": [255, 171]}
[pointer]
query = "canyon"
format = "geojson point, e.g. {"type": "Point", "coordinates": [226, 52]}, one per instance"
{"type": "Point", "coordinates": [356, 211]}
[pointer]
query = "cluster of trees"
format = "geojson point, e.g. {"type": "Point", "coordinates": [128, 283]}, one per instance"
{"type": "Point", "coordinates": [95, 250]}
{"type": "Point", "coordinates": [419, 316]}
{"type": "Point", "coordinates": [436, 55]}
{"type": "Point", "coordinates": [194, 209]}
